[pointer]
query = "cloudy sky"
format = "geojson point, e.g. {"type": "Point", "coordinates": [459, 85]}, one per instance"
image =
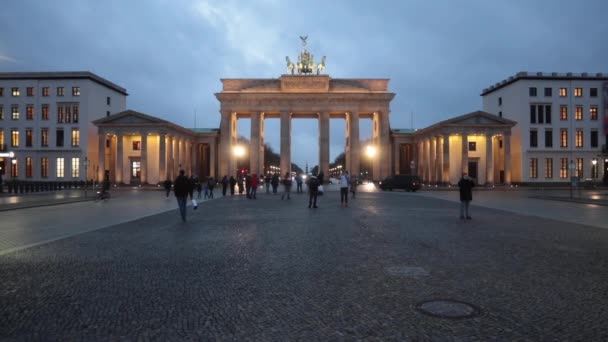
{"type": "Point", "coordinates": [171, 54]}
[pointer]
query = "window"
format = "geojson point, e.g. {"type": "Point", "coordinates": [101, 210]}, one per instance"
{"type": "Point", "coordinates": [29, 137]}
{"type": "Point", "coordinates": [500, 101]}
{"type": "Point", "coordinates": [532, 91]}
{"type": "Point", "coordinates": [108, 100]}
{"type": "Point", "coordinates": [29, 172]}
{"type": "Point", "coordinates": [592, 92]}
{"type": "Point", "coordinates": [15, 112]}
{"type": "Point", "coordinates": [14, 137]}
{"type": "Point", "coordinates": [136, 145]}
{"type": "Point", "coordinates": [563, 92]}
{"type": "Point", "coordinates": [578, 142]}
{"type": "Point", "coordinates": [578, 114]}
{"type": "Point", "coordinates": [59, 114]}
{"type": "Point", "coordinates": [44, 137]}
{"type": "Point", "coordinates": [1, 92]}
{"type": "Point", "coordinates": [579, 167]}
{"type": "Point", "coordinates": [563, 137]}
{"type": "Point", "coordinates": [593, 113]}
{"type": "Point", "coordinates": [500, 114]}
{"type": "Point", "coordinates": [548, 114]}
{"type": "Point", "coordinates": [44, 167]}
{"type": "Point", "coordinates": [75, 167]}
{"type": "Point", "coordinates": [1, 113]}
{"type": "Point", "coordinates": [29, 91]}
{"type": "Point", "coordinates": [75, 137]}
{"type": "Point", "coordinates": [2, 147]}
{"type": "Point", "coordinates": [549, 168]}
{"type": "Point", "coordinates": [472, 146]}
{"type": "Point", "coordinates": [578, 92]}
{"type": "Point", "coordinates": [29, 112]}
{"type": "Point", "coordinates": [60, 167]}
{"type": "Point", "coordinates": [46, 91]}
{"type": "Point", "coordinates": [548, 92]}
{"type": "Point", "coordinates": [68, 114]}
{"type": "Point", "coordinates": [59, 91]}
{"type": "Point", "coordinates": [108, 113]}
{"type": "Point", "coordinates": [563, 113]}
{"type": "Point", "coordinates": [75, 91]}
{"type": "Point", "coordinates": [594, 139]}
{"type": "Point", "coordinates": [548, 138]}
{"type": "Point", "coordinates": [45, 112]}
{"type": "Point", "coordinates": [15, 92]}
{"type": "Point", "coordinates": [533, 138]}
{"type": "Point", "coordinates": [75, 114]}
{"type": "Point", "coordinates": [563, 168]}
{"type": "Point", "coordinates": [15, 168]}
{"type": "Point", "coordinates": [541, 114]}
{"type": "Point", "coordinates": [533, 168]}
{"type": "Point", "coordinates": [59, 137]}
{"type": "Point", "coordinates": [532, 113]}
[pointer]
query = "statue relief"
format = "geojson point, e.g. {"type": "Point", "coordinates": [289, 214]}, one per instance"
{"type": "Point", "coordinates": [305, 64]}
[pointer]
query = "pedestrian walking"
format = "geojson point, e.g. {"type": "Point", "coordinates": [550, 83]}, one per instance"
{"type": "Point", "coordinates": [465, 184]}
{"type": "Point", "coordinates": [267, 179]}
{"type": "Point", "coordinates": [275, 183]}
{"type": "Point", "coordinates": [239, 183]}
{"type": "Point", "coordinates": [313, 191]}
{"type": "Point", "coordinates": [344, 183]}
{"type": "Point", "coordinates": [167, 184]}
{"type": "Point", "coordinates": [191, 187]}
{"type": "Point", "coordinates": [248, 185]}
{"type": "Point", "coordinates": [255, 182]}
{"type": "Point", "coordinates": [354, 182]}
{"type": "Point", "coordinates": [211, 185]}
{"type": "Point", "coordinates": [299, 182]}
{"type": "Point", "coordinates": [232, 185]}
{"type": "Point", "coordinates": [286, 186]}
{"type": "Point", "coordinates": [199, 188]}
{"type": "Point", "coordinates": [181, 188]}
{"type": "Point", "coordinates": [224, 185]}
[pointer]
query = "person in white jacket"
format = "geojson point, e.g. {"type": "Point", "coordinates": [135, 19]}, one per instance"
{"type": "Point", "coordinates": [344, 182]}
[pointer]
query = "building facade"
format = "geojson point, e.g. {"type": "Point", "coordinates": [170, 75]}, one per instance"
{"type": "Point", "coordinates": [46, 121]}
{"type": "Point", "coordinates": [561, 124]}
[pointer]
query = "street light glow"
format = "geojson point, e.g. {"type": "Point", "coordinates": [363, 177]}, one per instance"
{"type": "Point", "coordinates": [370, 151]}
{"type": "Point", "coordinates": [239, 151]}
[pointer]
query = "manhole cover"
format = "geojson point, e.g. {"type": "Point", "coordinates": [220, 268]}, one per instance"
{"type": "Point", "coordinates": [448, 309]}
{"type": "Point", "coordinates": [406, 271]}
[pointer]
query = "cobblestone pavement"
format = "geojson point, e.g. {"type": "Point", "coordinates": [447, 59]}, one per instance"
{"type": "Point", "coordinates": [272, 270]}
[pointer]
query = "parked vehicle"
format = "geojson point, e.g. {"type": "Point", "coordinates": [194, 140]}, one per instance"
{"type": "Point", "coordinates": [405, 182]}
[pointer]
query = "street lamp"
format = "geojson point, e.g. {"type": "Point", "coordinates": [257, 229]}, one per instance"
{"type": "Point", "coordinates": [593, 171]}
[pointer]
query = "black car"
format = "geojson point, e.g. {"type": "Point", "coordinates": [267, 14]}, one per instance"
{"type": "Point", "coordinates": [405, 182]}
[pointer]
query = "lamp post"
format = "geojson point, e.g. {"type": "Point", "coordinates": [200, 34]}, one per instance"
{"type": "Point", "coordinates": [86, 175]}
{"type": "Point", "coordinates": [593, 171]}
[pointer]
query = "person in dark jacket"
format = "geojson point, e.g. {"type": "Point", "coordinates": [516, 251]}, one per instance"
{"type": "Point", "coordinates": [181, 187]}
{"type": "Point", "coordinates": [313, 191]}
{"type": "Point", "coordinates": [224, 185]}
{"type": "Point", "coordinates": [167, 184]}
{"type": "Point", "coordinates": [465, 185]}
{"type": "Point", "coordinates": [232, 185]}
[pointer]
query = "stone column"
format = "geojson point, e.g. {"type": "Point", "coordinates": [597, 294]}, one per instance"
{"type": "Point", "coordinates": [119, 158]}
{"type": "Point", "coordinates": [144, 158]}
{"type": "Point", "coordinates": [101, 156]}
{"type": "Point", "coordinates": [355, 145]}
{"type": "Point", "coordinates": [170, 158]}
{"type": "Point", "coordinates": [438, 160]}
{"type": "Point", "coordinates": [397, 147]}
{"type": "Point", "coordinates": [464, 166]}
{"type": "Point", "coordinates": [162, 157]}
{"type": "Point", "coordinates": [212, 158]}
{"type": "Point", "coordinates": [324, 144]}
{"type": "Point", "coordinates": [489, 161]}
{"type": "Point", "coordinates": [254, 147]}
{"type": "Point", "coordinates": [384, 148]}
{"type": "Point", "coordinates": [507, 142]}
{"type": "Point", "coordinates": [377, 160]}
{"type": "Point", "coordinates": [225, 147]}
{"type": "Point", "coordinates": [285, 142]}
{"type": "Point", "coordinates": [433, 159]}
{"type": "Point", "coordinates": [446, 159]}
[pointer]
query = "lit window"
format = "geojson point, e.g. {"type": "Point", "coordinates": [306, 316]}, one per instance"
{"type": "Point", "coordinates": [60, 168]}
{"type": "Point", "coordinates": [44, 167]}
{"type": "Point", "coordinates": [29, 112]}
{"type": "Point", "coordinates": [579, 138]}
{"type": "Point", "coordinates": [29, 91]}
{"type": "Point", "coordinates": [29, 167]}
{"type": "Point", "coordinates": [68, 114]}
{"type": "Point", "coordinates": [578, 114]}
{"type": "Point", "coordinates": [563, 92]}
{"type": "Point", "coordinates": [563, 113]}
{"type": "Point", "coordinates": [563, 137]}
{"type": "Point", "coordinates": [59, 136]}
{"type": "Point", "coordinates": [75, 91]}
{"type": "Point", "coordinates": [75, 114]}
{"type": "Point", "coordinates": [579, 167]}
{"type": "Point", "coordinates": [75, 137]}
{"type": "Point", "coordinates": [14, 137]}
{"type": "Point", "coordinates": [578, 92]}
{"type": "Point", "coordinates": [593, 92]}
{"type": "Point", "coordinates": [137, 146]}
{"type": "Point", "coordinates": [29, 137]}
{"type": "Point", "coordinates": [563, 169]}
{"type": "Point", "coordinates": [15, 168]}
{"type": "Point", "coordinates": [46, 91]}
{"type": "Point", "coordinates": [15, 112]}
{"type": "Point", "coordinates": [533, 168]}
{"type": "Point", "coordinates": [59, 91]}
{"type": "Point", "coordinates": [2, 147]}
{"type": "Point", "coordinates": [44, 137]}
{"type": "Point", "coordinates": [45, 112]}
{"type": "Point", "coordinates": [75, 167]}
{"type": "Point", "coordinates": [59, 114]}
{"type": "Point", "coordinates": [15, 92]}
{"type": "Point", "coordinates": [593, 113]}
{"type": "Point", "coordinates": [549, 168]}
